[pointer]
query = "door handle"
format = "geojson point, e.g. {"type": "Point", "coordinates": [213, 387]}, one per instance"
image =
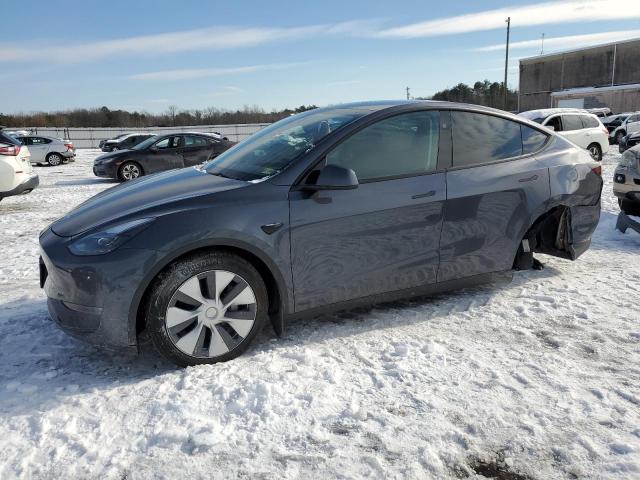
{"type": "Point", "coordinates": [528, 179]}
{"type": "Point", "coordinates": [430, 193]}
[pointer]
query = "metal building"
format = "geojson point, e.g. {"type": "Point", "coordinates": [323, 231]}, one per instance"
{"type": "Point", "coordinates": [601, 76]}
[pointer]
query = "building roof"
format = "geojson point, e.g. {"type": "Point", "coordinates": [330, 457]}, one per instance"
{"type": "Point", "coordinates": [575, 50]}
{"type": "Point", "coordinates": [629, 86]}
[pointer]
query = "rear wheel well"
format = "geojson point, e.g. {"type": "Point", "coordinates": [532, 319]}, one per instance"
{"type": "Point", "coordinates": [273, 292]}
{"type": "Point", "coordinates": [548, 234]}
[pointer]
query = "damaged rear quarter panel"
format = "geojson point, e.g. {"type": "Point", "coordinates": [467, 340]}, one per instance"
{"type": "Point", "coordinates": [573, 184]}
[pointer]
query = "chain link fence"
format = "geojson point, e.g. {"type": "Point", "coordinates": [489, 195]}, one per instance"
{"type": "Point", "coordinates": [90, 137]}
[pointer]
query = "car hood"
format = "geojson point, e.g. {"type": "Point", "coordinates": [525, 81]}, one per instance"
{"type": "Point", "coordinates": [112, 156]}
{"type": "Point", "coordinates": [146, 194]}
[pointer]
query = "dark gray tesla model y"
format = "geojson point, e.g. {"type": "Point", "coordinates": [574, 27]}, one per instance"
{"type": "Point", "coordinates": [325, 210]}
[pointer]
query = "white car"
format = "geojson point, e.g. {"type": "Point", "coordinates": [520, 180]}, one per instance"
{"type": "Point", "coordinates": [628, 125]}
{"type": "Point", "coordinates": [582, 128]}
{"type": "Point", "coordinates": [51, 150]}
{"type": "Point", "coordinates": [16, 172]}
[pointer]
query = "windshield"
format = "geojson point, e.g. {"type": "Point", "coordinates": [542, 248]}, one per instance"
{"type": "Point", "coordinates": [146, 144]}
{"type": "Point", "coordinates": [272, 149]}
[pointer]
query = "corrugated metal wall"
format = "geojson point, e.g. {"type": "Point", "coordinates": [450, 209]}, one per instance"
{"type": "Point", "coordinates": [90, 137]}
{"type": "Point", "coordinates": [600, 66]}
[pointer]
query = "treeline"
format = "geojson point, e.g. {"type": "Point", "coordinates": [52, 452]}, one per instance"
{"type": "Point", "coordinates": [489, 94]}
{"type": "Point", "coordinates": [104, 117]}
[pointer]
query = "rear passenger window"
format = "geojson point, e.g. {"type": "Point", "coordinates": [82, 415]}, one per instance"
{"type": "Point", "coordinates": [479, 138]}
{"type": "Point", "coordinates": [397, 146]}
{"type": "Point", "coordinates": [532, 140]}
{"type": "Point", "coordinates": [590, 122]}
{"type": "Point", "coordinates": [571, 122]}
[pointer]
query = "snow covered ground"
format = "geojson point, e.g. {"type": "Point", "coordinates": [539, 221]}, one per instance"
{"type": "Point", "coordinates": [540, 376]}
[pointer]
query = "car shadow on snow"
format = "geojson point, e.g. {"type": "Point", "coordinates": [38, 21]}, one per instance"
{"type": "Point", "coordinates": [87, 181]}
{"type": "Point", "coordinates": [42, 365]}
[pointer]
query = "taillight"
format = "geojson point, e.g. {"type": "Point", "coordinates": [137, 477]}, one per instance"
{"type": "Point", "coordinates": [604, 129]}
{"type": "Point", "coordinates": [11, 150]}
{"type": "Point", "coordinates": [69, 146]}
{"type": "Point", "coordinates": [597, 170]}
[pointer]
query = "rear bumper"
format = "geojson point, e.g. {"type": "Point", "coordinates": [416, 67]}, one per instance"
{"type": "Point", "coordinates": [27, 185]}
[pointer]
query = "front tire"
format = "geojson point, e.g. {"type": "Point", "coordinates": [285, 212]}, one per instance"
{"type": "Point", "coordinates": [129, 171]}
{"type": "Point", "coordinates": [54, 159]}
{"type": "Point", "coordinates": [595, 151]}
{"type": "Point", "coordinates": [206, 308]}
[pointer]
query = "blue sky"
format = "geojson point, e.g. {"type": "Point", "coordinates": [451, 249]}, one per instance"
{"type": "Point", "coordinates": [146, 55]}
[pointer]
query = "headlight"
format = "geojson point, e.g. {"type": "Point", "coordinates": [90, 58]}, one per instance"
{"type": "Point", "coordinates": [109, 239]}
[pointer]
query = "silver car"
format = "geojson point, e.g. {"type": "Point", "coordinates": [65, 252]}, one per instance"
{"type": "Point", "coordinates": [50, 150]}
{"type": "Point", "coordinates": [626, 181]}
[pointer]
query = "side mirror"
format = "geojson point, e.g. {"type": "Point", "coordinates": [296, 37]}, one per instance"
{"type": "Point", "coordinates": [334, 177]}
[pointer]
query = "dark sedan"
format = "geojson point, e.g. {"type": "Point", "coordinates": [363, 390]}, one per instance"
{"type": "Point", "coordinates": [125, 142]}
{"type": "Point", "coordinates": [325, 210]}
{"type": "Point", "coordinates": [164, 152]}
{"type": "Point", "coordinates": [629, 141]}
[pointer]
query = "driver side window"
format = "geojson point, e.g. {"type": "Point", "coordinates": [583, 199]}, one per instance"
{"type": "Point", "coordinates": [169, 142]}
{"type": "Point", "coordinates": [403, 145]}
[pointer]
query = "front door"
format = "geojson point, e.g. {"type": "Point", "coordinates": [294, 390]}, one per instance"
{"type": "Point", "coordinates": [381, 236]}
{"type": "Point", "coordinates": [166, 155]}
{"type": "Point", "coordinates": [195, 150]}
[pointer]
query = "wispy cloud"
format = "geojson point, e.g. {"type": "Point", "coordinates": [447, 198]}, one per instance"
{"type": "Point", "coordinates": [224, 91]}
{"type": "Point", "coordinates": [527, 15]}
{"type": "Point", "coordinates": [191, 73]}
{"type": "Point", "coordinates": [570, 41]}
{"type": "Point", "coordinates": [214, 38]}
{"type": "Point", "coordinates": [341, 83]}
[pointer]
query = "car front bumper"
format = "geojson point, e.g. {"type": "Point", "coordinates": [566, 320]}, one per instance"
{"type": "Point", "coordinates": [90, 297]}
{"type": "Point", "coordinates": [105, 170]}
{"type": "Point", "coordinates": [31, 182]}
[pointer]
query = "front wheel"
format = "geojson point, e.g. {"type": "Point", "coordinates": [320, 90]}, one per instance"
{"type": "Point", "coordinates": [129, 171]}
{"type": "Point", "coordinates": [54, 159]}
{"type": "Point", "coordinates": [206, 308]}
{"type": "Point", "coordinates": [595, 151]}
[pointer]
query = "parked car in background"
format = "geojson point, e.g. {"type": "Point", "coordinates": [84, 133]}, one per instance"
{"type": "Point", "coordinates": [600, 112]}
{"type": "Point", "coordinates": [158, 153]}
{"type": "Point", "coordinates": [16, 173]}
{"type": "Point", "coordinates": [623, 126]}
{"type": "Point", "coordinates": [125, 142]}
{"type": "Point", "coordinates": [50, 150]}
{"type": "Point", "coordinates": [626, 181]}
{"type": "Point", "coordinates": [628, 141]}
{"type": "Point", "coordinates": [102, 142]}
{"type": "Point", "coordinates": [582, 128]}
{"type": "Point", "coordinates": [325, 210]}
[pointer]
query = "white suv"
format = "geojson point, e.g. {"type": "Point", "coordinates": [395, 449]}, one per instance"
{"type": "Point", "coordinates": [16, 172]}
{"type": "Point", "coordinates": [629, 125]}
{"type": "Point", "coordinates": [582, 128]}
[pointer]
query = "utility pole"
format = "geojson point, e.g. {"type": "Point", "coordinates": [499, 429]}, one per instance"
{"type": "Point", "coordinates": [506, 62]}
{"type": "Point", "coordinates": [408, 96]}
{"type": "Point", "coordinates": [542, 46]}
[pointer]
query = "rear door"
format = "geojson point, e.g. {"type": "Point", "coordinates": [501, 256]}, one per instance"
{"type": "Point", "coordinates": [573, 129]}
{"type": "Point", "coordinates": [495, 189]}
{"type": "Point", "coordinates": [196, 150]}
{"type": "Point", "coordinates": [39, 148]}
{"type": "Point", "coordinates": [633, 123]}
{"type": "Point", "coordinates": [381, 236]}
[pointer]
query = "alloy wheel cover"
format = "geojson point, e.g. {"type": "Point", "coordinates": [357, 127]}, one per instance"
{"type": "Point", "coordinates": [210, 314]}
